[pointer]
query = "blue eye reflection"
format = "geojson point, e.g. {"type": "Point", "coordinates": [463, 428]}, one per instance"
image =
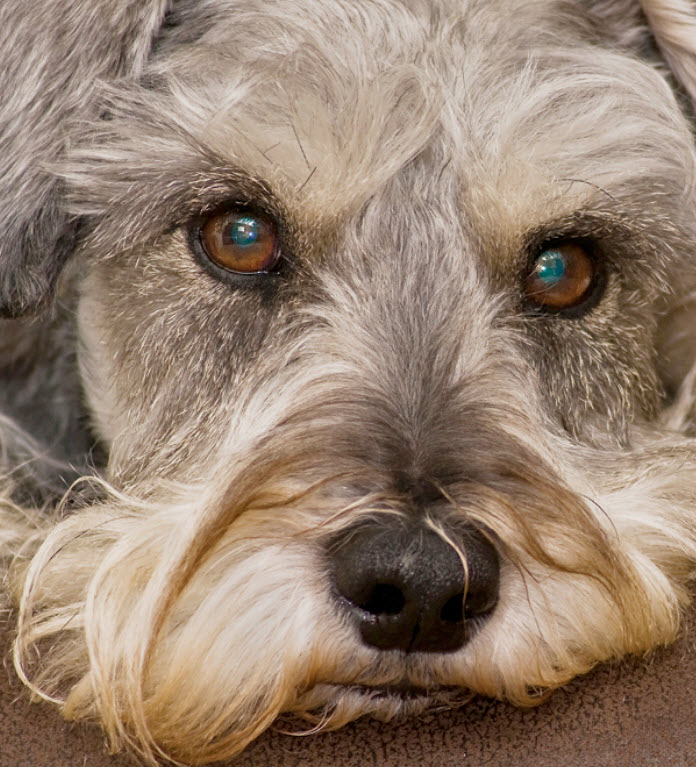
{"type": "Point", "coordinates": [562, 276]}
{"type": "Point", "coordinates": [245, 231]}
{"type": "Point", "coordinates": [551, 267]}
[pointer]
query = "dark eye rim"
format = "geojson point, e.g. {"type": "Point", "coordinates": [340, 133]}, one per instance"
{"type": "Point", "coordinates": [229, 276]}
{"type": "Point", "coordinates": [593, 294]}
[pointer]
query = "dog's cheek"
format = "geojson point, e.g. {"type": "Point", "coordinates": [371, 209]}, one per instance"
{"type": "Point", "coordinates": [162, 374]}
{"type": "Point", "coordinates": [598, 380]}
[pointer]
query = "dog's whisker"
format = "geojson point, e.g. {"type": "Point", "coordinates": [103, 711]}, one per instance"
{"type": "Point", "coordinates": [307, 180]}
{"type": "Point", "coordinates": [299, 144]}
{"type": "Point", "coordinates": [589, 183]}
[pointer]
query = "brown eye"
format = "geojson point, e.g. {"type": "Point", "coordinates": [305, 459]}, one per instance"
{"type": "Point", "coordinates": [240, 242]}
{"type": "Point", "coordinates": [561, 277]}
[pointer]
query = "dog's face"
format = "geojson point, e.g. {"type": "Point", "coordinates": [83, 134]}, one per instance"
{"type": "Point", "coordinates": [369, 312]}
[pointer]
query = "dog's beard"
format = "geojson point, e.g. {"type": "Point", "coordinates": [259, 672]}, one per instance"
{"type": "Point", "coordinates": [190, 619]}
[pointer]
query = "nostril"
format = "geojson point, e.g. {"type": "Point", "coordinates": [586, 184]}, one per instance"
{"type": "Point", "coordinates": [482, 601]}
{"type": "Point", "coordinates": [407, 588]}
{"type": "Point", "coordinates": [384, 599]}
{"type": "Point", "coordinates": [453, 609]}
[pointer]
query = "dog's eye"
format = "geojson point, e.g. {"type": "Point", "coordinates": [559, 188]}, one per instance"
{"type": "Point", "coordinates": [240, 242]}
{"type": "Point", "coordinates": [562, 277]}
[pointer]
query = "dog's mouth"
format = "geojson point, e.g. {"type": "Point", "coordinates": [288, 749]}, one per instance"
{"type": "Point", "coordinates": [405, 691]}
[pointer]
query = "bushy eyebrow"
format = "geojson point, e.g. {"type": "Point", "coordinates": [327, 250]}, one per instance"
{"type": "Point", "coordinates": [135, 208]}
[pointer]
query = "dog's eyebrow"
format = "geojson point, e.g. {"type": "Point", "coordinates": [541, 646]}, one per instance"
{"type": "Point", "coordinates": [133, 210]}
{"type": "Point", "coordinates": [598, 224]}
{"type": "Point", "coordinates": [599, 188]}
{"type": "Point", "coordinates": [233, 187]}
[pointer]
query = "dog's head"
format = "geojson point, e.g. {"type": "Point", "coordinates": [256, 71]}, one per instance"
{"type": "Point", "coordinates": [380, 313]}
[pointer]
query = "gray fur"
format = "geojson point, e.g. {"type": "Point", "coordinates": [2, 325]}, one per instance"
{"type": "Point", "coordinates": [52, 60]}
{"type": "Point", "coordinates": [415, 157]}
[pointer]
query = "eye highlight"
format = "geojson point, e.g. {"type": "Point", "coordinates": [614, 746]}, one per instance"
{"type": "Point", "coordinates": [240, 242]}
{"type": "Point", "coordinates": [562, 277]}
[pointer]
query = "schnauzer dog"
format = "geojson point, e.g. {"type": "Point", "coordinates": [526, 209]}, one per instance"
{"type": "Point", "coordinates": [348, 358]}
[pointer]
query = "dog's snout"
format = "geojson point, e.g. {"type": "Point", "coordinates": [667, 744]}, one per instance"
{"type": "Point", "coordinates": [407, 588]}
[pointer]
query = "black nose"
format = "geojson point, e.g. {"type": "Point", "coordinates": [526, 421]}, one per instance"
{"type": "Point", "coordinates": [406, 587]}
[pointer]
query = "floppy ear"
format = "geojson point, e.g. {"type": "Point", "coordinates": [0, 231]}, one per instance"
{"type": "Point", "coordinates": [652, 27]}
{"type": "Point", "coordinates": [51, 55]}
{"type": "Point", "coordinates": [673, 25]}
{"type": "Point", "coordinates": [664, 33]}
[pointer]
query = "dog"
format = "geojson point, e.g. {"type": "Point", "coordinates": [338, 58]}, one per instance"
{"type": "Point", "coordinates": [347, 360]}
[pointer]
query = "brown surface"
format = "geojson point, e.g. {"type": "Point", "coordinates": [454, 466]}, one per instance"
{"type": "Point", "coordinates": [638, 714]}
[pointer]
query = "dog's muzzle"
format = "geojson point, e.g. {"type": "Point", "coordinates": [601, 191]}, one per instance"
{"type": "Point", "coordinates": [407, 588]}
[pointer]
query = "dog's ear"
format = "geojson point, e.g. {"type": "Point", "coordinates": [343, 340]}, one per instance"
{"type": "Point", "coordinates": [51, 55]}
{"type": "Point", "coordinates": [649, 27]}
{"type": "Point", "coordinates": [652, 27]}
{"type": "Point", "coordinates": [673, 26]}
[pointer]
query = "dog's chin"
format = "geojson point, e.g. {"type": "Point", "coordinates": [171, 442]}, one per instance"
{"type": "Point", "coordinates": [333, 705]}
{"type": "Point", "coordinates": [401, 691]}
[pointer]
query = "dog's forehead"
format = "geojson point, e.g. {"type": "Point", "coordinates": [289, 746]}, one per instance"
{"type": "Point", "coordinates": [328, 101]}
{"type": "Point", "coordinates": [343, 88]}
{"type": "Point", "coordinates": [339, 91]}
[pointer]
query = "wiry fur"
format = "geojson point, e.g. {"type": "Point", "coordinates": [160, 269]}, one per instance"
{"type": "Point", "coordinates": [415, 154]}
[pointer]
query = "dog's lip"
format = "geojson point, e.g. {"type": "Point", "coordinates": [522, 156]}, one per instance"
{"type": "Point", "coordinates": [404, 689]}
